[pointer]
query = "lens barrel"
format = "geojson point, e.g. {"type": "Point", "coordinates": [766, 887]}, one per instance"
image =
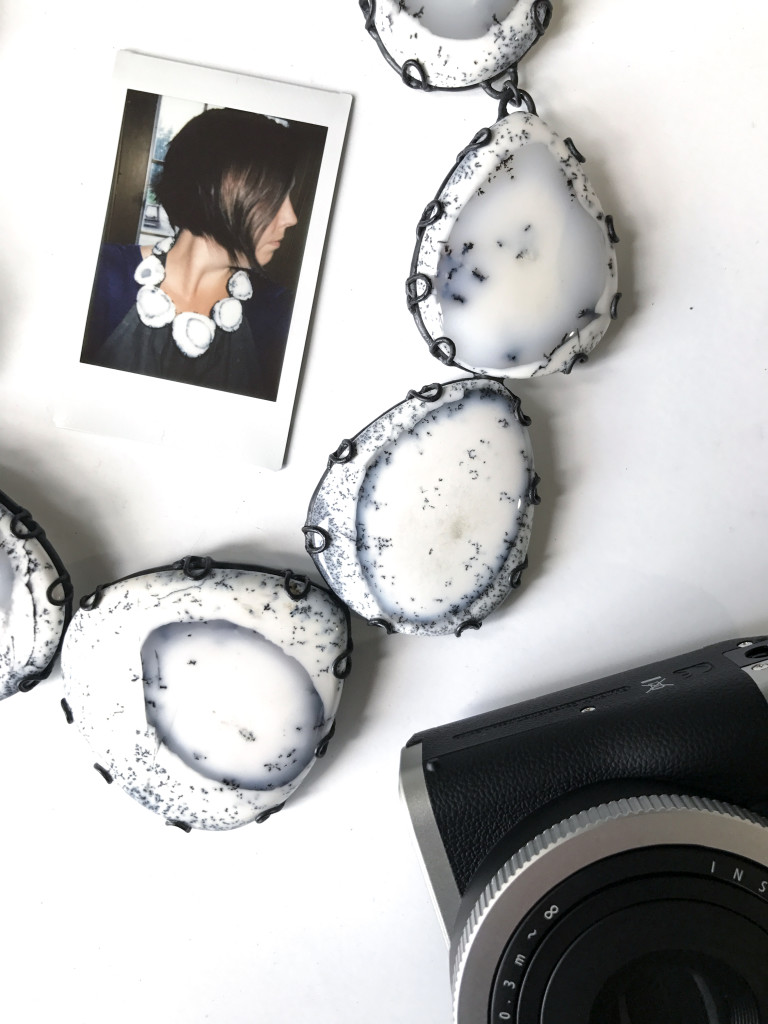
{"type": "Point", "coordinates": [631, 912]}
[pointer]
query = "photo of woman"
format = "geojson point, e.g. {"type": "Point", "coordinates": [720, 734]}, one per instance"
{"type": "Point", "coordinates": [197, 305]}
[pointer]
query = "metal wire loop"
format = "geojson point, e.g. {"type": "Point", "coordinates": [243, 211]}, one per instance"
{"type": "Point", "coordinates": [196, 567]}
{"type": "Point", "coordinates": [344, 453]}
{"type": "Point", "coordinates": [342, 666]}
{"type": "Point", "coordinates": [30, 530]}
{"type": "Point", "coordinates": [615, 306]}
{"type": "Point", "coordinates": [522, 419]}
{"type": "Point", "coordinates": [429, 393]}
{"type": "Point", "coordinates": [28, 684]}
{"type": "Point", "coordinates": [432, 213]}
{"type": "Point", "coordinates": [497, 91]}
{"type": "Point", "coordinates": [368, 7]}
{"type": "Point", "coordinates": [91, 601]}
{"type": "Point", "coordinates": [542, 15]}
{"type": "Point", "coordinates": [532, 494]}
{"type": "Point", "coordinates": [481, 138]}
{"type": "Point", "coordinates": [104, 773]}
{"type": "Point", "coordinates": [444, 350]}
{"type": "Point", "coordinates": [468, 624]}
{"type": "Point", "coordinates": [312, 544]}
{"type": "Point", "coordinates": [67, 711]}
{"type": "Point", "coordinates": [384, 624]}
{"type": "Point", "coordinates": [610, 227]}
{"type": "Point", "coordinates": [414, 75]}
{"type": "Point", "coordinates": [578, 357]}
{"type": "Point", "coordinates": [571, 146]}
{"type": "Point", "coordinates": [322, 747]}
{"type": "Point", "coordinates": [183, 825]}
{"type": "Point", "coordinates": [414, 294]}
{"type": "Point", "coordinates": [268, 814]}
{"type": "Point", "coordinates": [518, 98]}
{"type": "Point", "coordinates": [517, 574]}
{"type": "Point", "coordinates": [65, 583]}
{"type": "Point", "coordinates": [296, 587]}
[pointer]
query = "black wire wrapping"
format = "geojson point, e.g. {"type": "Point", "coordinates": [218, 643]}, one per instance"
{"type": "Point", "coordinates": [296, 586]}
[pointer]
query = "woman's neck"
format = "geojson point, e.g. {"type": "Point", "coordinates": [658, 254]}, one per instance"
{"type": "Point", "coordinates": [196, 273]}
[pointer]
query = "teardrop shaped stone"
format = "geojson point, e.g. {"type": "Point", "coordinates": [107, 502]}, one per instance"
{"type": "Point", "coordinates": [423, 523]}
{"type": "Point", "coordinates": [516, 265]}
{"type": "Point", "coordinates": [448, 45]}
{"type": "Point", "coordinates": [206, 695]}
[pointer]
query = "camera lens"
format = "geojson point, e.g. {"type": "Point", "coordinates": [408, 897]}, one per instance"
{"type": "Point", "coordinates": [675, 986]}
{"type": "Point", "coordinates": [639, 911]}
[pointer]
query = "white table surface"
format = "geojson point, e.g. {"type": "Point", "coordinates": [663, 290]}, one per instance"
{"type": "Point", "coordinates": [651, 538]}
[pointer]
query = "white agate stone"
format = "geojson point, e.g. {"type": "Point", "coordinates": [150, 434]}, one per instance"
{"type": "Point", "coordinates": [457, 44]}
{"type": "Point", "coordinates": [206, 698]}
{"type": "Point", "coordinates": [239, 286]}
{"type": "Point", "coordinates": [425, 520]}
{"type": "Point", "coordinates": [193, 333]}
{"type": "Point", "coordinates": [228, 314]}
{"type": "Point", "coordinates": [164, 245]}
{"type": "Point", "coordinates": [520, 260]}
{"type": "Point", "coordinates": [155, 308]}
{"type": "Point", "coordinates": [149, 271]}
{"type": "Point", "coordinates": [34, 606]}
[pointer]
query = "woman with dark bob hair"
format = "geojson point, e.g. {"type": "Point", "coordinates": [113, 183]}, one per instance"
{"type": "Point", "coordinates": [198, 307]}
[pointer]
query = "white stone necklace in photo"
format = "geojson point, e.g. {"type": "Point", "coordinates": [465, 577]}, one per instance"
{"type": "Point", "coordinates": [192, 332]}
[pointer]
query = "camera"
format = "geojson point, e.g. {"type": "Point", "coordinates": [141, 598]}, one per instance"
{"type": "Point", "coordinates": [600, 855]}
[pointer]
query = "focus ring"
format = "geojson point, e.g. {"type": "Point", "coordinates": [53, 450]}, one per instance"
{"type": "Point", "coordinates": [471, 991]}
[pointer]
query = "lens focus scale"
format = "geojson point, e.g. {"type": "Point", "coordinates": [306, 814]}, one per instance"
{"type": "Point", "coordinates": [728, 845]}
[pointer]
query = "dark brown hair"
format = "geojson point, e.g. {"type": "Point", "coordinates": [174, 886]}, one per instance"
{"type": "Point", "coordinates": [227, 173]}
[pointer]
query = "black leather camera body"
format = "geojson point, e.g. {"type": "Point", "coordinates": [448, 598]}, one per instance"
{"type": "Point", "coordinates": [600, 855]}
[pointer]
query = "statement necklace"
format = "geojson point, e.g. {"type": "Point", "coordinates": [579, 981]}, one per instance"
{"type": "Point", "coordinates": [192, 332]}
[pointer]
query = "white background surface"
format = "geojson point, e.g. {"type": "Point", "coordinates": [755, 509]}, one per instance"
{"type": "Point", "coordinates": [651, 536]}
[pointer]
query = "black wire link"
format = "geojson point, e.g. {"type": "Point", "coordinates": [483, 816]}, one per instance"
{"type": "Point", "coordinates": [615, 306]}
{"type": "Point", "coordinates": [571, 146]}
{"type": "Point", "coordinates": [322, 747]}
{"type": "Point", "coordinates": [344, 453]}
{"type": "Point", "coordinates": [610, 227]}
{"type": "Point", "coordinates": [342, 666]}
{"type": "Point", "coordinates": [65, 583]}
{"type": "Point", "coordinates": [296, 587]}
{"type": "Point", "coordinates": [313, 547]}
{"type": "Point", "coordinates": [183, 825]}
{"type": "Point", "coordinates": [384, 624]}
{"type": "Point", "coordinates": [92, 601]}
{"type": "Point", "coordinates": [195, 567]}
{"type": "Point", "coordinates": [577, 358]}
{"type": "Point", "coordinates": [443, 349]}
{"type": "Point", "coordinates": [532, 494]}
{"type": "Point", "coordinates": [429, 393]}
{"type": "Point", "coordinates": [268, 814]}
{"type": "Point", "coordinates": [67, 711]}
{"type": "Point", "coordinates": [433, 211]}
{"type": "Point", "coordinates": [32, 529]}
{"type": "Point", "coordinates": [468, 624]}
{"type": "Point", "coordinates": [413, 294]}
{"type": "Point", "coordinates": [104, 773]}
{"type": "Point", "coordinates": [517, 574]}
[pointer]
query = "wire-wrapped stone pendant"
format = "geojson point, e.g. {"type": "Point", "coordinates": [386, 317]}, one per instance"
{"type": "Point", "coordinates": [422, 520]}
{"type": "Point", "coordinates": [442, 44]}
{"type": "Point", "coordinates": [207, 690]}
{"type": "Point", "coordinates": [514, 271]}
{"type": "Point", "coordinates": [35, 600]}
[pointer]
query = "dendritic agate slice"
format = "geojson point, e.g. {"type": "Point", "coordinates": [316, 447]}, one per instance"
{"type": "Point", "coordinates": [421, 522]}
{"type": "Point", "coordinates": [514, 273]}
{"type": "Point", "coordinates": [35, 600]}
{"type": "Point", "coordinates": [442, 44]}
{"type": "Point", "coordinates": [207, 690]}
